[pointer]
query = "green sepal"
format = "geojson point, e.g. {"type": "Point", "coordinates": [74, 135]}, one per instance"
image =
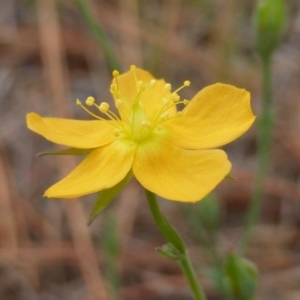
{"type": "Point", "coordinates": [170, 251]}
{"type": "Point", "coordinates": [69, 151]}
{"type": "Point", "coordinates": [229, 176]}
{"type": "Point", "coordinates": [106, 196]}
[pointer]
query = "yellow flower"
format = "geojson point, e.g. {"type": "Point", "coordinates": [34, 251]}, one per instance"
{"type": "Point", "coordinates": [168, 151]}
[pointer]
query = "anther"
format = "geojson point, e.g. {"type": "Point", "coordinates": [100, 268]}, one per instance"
{"type": "Point", "coordinates": [175, 97]}
{"type": "Point", "coordinates": [78, 102]}
{"type": "Point", "coordinates": [186, 102]}
{"type": "Point", "coordinates": [165, 102]}
{"type": "Point", "coordinates": [187, 83]}
{"type": "Point", "coordinates": [152, 83]}
{"type": "Point", "coordinates": [113, 88]}
{"type": "Point", "coordinates": [159, 127]}
{"type": "Point", "coordinates": [141, 86]}
{"type": "Point", "coordinates": [119, 102]}
{"type": "Point", "coordinates": [90, 101]}
{"type": "Point", "coordinates": [167, 87]}
{"type": "Point", "coordinates": [146, 123]}
{"type": "Point", "coordinates": [116, 132]}
{"type": "Point", "coordinates": [104, 107]}
{"type": "Point", "coordinates": [164, 116]}
{"type": "Point", "coordinates": [115, 73]}
{"type": "Point", "coordinates": [132, 67]}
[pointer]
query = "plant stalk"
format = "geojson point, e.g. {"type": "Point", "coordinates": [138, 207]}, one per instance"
{"type": "Point", "coordinates": [265, 125]}
{"type": "Point", "coordinates": [173, 238]}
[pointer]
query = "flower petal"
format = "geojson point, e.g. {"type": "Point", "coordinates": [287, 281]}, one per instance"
{"type": "Point", "coordinates": [102, 169]}
{"type": "Point", "coordinates": [72, 133]}
{"type": "Point", "coordinates": [217, 115]}
{"type": "Point", "coordinates": [178, 174]}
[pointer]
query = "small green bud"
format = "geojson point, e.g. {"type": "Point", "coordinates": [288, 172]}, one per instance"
{"type": "Point", "coordinates": [269, 22]}
{"type": "Point", "coordinates": [240, 277]}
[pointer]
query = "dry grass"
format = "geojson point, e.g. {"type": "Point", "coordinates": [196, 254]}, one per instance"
{"type": "Point", "coordinates": [48, 59]}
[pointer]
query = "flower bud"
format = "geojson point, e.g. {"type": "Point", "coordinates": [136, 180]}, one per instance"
{"type": "Point", "coordinates": [269, 22]}
{"type": "Point", "coordinates": [240, 277]}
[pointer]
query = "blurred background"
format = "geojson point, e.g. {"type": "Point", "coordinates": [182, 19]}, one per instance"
{"type": "Point", "coordinates": [48, 58]}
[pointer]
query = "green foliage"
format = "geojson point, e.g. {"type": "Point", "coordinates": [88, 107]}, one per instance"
{"type": "Point", "coordinates": [99, 34]}
{"type": "Point", "coordinates": [111, 250]}
{"type": "Point", "coordinates": [106, 196]}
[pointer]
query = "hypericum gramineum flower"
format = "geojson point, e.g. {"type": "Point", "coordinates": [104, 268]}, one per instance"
{"type": "Point", "coordinates": [169, 151]}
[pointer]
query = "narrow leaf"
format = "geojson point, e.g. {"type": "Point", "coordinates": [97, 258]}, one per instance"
{"type": "Point", "coordinates": [70, 151]}
{"type": "Point", "coordinates": [106, 196]}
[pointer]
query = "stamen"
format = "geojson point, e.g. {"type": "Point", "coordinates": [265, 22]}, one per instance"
{"type": "Point", "coordinates": [152, 83]}
{"type": "Point", "coordinates": [185, 84]}
{"type": "Point", "coordinates": [113, 88]}
{"type": "Point", "coordinates": [116, 132]}
{"type": "Point", "coordinates": [90, 101]}
{"type": "Point", "coordinates": [115, 73]}
{"type": "Point", "coordinates": [175, 97]}
{"type": "Point", "coordinates": [146, 123]}
{"type": "Point", "coordinates": [161, 115]}
{"type": "Point", "coordinates": [78, 102]}
{"type": "Point", "coordinates": [141, 86]}
{"type": "Point", "coordinates": [165, 102]}
{"type": "Point", "coordinates": [167, 87]}
{"type": "Point", "coordinates": [133, 68]}
{"type": "Point", "coordinates": [104, 107]}
{"type": "Point", "coordinates": [164, 116]}
{"type": "Point", "coordinates": [119, 103]}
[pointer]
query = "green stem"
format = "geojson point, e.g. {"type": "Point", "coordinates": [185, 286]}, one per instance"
{"type": "Point", "coordinates": [174, 239]}
{"type": "Point", "coordinates": [265, 125]}
{"type": "Point", "coordinates": [99, 35]}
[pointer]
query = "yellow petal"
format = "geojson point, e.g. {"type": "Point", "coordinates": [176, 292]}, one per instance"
{"type": "Point", "coordinates": [102, 169]}
{"type": "Point", "coordinates": [178, 174]}
{"type": "Point", "coordinates": [72, 133]}
{"type": "Point", "coordinates": [217, 115]}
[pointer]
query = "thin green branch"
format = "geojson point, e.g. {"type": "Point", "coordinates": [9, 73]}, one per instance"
{"type": "Point", "coordinates": [265, 126]}
{"type": "Point", "coordinates": [176, 241]}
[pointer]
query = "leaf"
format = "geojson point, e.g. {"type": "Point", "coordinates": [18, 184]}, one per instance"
{"type": "Point", "coordinates": [106, 196]}
{"type": "Point", "coordinates": [70, 151]}
{"type": "Point", "coordinates": [170, 251]}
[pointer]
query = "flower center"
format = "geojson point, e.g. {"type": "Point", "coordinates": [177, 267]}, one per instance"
{"type": "Point", "coordinates": [142, 118]}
